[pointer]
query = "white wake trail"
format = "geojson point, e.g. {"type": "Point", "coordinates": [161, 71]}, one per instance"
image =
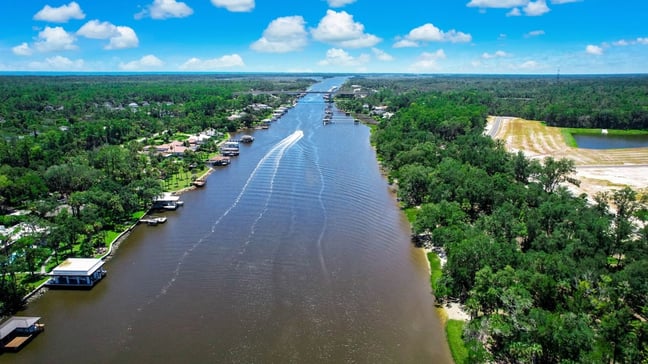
{"type": "Point", "coordinates": [277, 157]}
{"type": "Point", "coordinates": [276, 151]}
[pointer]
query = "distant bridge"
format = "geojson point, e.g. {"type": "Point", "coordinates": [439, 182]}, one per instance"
{"type": "Point", "coordinates": [282, 92]}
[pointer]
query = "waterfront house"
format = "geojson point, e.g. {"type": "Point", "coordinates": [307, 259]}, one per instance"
{"type": "Point", "coordinates": [17, 331]}
{"type": "Point", "coordinates": [166, 201]}
{"type": "Point", "coordinates": [77, 272]}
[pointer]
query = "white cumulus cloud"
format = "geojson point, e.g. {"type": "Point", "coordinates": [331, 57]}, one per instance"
{"type": "Point", "coordinates": [594, 49]}
{"type": "Point", "coordinates": [120, 36]}
{"type": "Point", "coordinates": [285, 34]}
{"type": "Point", "coordinates": [94, 29]}
{"type": "Point", "coordinates": [528, 65]}
{"type": "Point", "coordinates": [427, 61]}
{"type": "Point", "coordinates": [57, 63]}
{"type": "Point", "coordinates": [214, 64]}
{"type": "Point", "coordinates": [430, 33]}
{"type": "Point", "coordinates": [235, 5]}
{"type": "Point", "coordinates": [61, 14]}
{"type": "Point", "coordinates": [145, 63]}
{"type": "Point", "coordinates": [497, 54]}
{"type": "Point", "coordinates": [339, 3]}
{"type": "Point", "coordinates": [339, 29]}
{"type": "Point", "coordinates": [502, 4]}
{"type": "Point", "coordinates": [126, 38]}
{"type": "Point", "coordinates": [534, 33]}
{"type": "Point", "coordinates": [536, 8]}
{"type": "Point", "coordinates": [530, 8]}
{"type": "Point", "coordinates": [624, 42]}
{"type": "Point", "coordinates": [55, 39]}
{"type": "Point", "coordinates": [22, 50]}
{"type": "Point", "coordinates": [405, 43]}
{"type": "Point", "coordinates": [382, 55]}
{"type": "Point", "coordinates": [339, 57]}
{"type": "Point", "coordinates": [165, 9]}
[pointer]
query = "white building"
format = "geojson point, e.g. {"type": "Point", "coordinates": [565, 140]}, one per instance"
{"type": "Point", "coordinates": [77, 272]}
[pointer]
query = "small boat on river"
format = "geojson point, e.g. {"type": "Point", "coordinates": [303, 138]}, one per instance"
{"type": "Point", "coordinates": [219, 161]}
{"type": "Point", "coordinates": [152, 221]}
{"type": "Point", "coordinates": [247, 139]}
{"type": "Point", "coordinates": [200, 182]}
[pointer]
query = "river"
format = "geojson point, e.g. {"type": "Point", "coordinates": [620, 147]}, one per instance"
{"type": "Point", "coordinates": [295, 253]}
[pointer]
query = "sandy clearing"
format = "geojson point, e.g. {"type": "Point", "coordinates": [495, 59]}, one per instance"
{"type": "Point", "coordinates": [598, 170]}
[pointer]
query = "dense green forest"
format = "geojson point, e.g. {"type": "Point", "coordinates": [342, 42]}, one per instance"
{"type": "Point", "coordinates": [73, 171]}
{"type": "Point", "coordinates": [546, 276]}
{"type": "Point", "coordinates": [612, 102]}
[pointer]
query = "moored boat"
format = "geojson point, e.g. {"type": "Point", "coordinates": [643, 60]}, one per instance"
{"type": "Point", "coordinates": [230, 148]}
{"type": "Point", "coordinates": [219, 160]}
{"type": "Point", "coordinates": [247, 139]}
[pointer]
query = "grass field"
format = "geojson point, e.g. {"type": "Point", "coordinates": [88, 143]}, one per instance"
{"type": "Point", "coordinates": [454, 331]}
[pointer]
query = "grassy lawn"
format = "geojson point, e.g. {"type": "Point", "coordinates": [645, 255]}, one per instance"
{"type": "Point", "coordinates": [180, 136]}
{"type": "Point", "coordinates": [454, 330]}
{"type": "Point", "coordinates": [411, 214]}
{"type": "Point", "coordinates": [110, 236]}
{"type": "Point", "coordinates": [31, 282]}
{"type": "Point", "coordinates": [178, 181]}
{"type": "Point", "coordinates": [138, 215]}
{"type": "Point", "coordinates": [182, 180]}
{"type": "Point", "coordinates": [435, 269]}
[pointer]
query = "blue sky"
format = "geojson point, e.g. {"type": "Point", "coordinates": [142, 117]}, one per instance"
{"type": "Point", "coordinates": [405, 36]}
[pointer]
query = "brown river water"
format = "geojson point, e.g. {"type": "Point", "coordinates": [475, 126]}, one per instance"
{"type": "Point", "coordinates": [295, 253]}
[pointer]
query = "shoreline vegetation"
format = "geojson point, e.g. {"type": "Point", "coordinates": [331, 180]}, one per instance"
{"type": "Point", "coordinates": [543, 273]}
{"type": "Point", "coordinates": [115, 239]}
{"type": "Point", "coordinates": [114, 145]}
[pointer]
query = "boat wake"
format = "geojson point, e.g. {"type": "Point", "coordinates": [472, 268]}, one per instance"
{"type": "Point", "coordinates": [320, 237]}
{"type": "Point", "coordinates": [272, 157]}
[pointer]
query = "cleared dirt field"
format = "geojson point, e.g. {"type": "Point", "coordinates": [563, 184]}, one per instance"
{"type": "Point", "coordinates": [598, 170]}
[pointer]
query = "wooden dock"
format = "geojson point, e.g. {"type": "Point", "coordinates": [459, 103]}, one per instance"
{"type": "Point", "coordinates": [17, 342]}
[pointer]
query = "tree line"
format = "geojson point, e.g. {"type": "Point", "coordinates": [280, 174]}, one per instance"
{"type": "Point", "coordinates": [608, 102]}
{"type": "Point", "coordinates": [546, 276]}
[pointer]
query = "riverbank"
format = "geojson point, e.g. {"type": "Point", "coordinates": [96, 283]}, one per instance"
{"type": "Point", "coordinates": [113, 246]}
{"type": "Point", "coordinates": [41, 289]}
{"type": "Point", "coordinates": [453, 315]}
{"type": "Point", "coordinates": [436, 262]}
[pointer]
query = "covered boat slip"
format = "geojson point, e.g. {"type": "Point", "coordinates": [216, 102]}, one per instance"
{"type": "Point", "coordinates": [77, 272]}
{"type": "Point", "coordinates": [167, 201]}
{"type": "Point", "coordinates": [18, 330]}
